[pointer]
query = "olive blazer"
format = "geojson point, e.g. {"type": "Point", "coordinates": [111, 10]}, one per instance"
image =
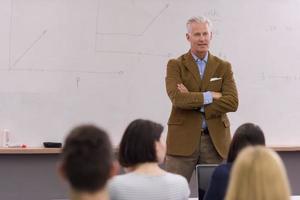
{"type": "Point", "coordinates": [185, 121]}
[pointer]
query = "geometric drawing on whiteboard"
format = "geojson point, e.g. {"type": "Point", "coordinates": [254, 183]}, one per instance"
{"type": "Point", "coordinates": [27, 49]}
{"type": "Point", "coordinates": [127, 35]}
{"type": "Point", "coordinates": [280, 77]}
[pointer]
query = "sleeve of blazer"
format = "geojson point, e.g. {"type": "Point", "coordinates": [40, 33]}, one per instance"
{"type": "Point", "coordinates": [229, 100]}
{"type": "Point", "coordinates": [190, 100]}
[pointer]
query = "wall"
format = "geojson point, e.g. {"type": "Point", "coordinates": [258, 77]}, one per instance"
{"type": "Point", "coordinates": [66, 62]}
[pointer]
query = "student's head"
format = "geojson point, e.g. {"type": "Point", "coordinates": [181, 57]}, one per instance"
{"type": "Point", "coordinates": [247, 134]}
{"type": "Point", "coordinates": [258, 173]}
{"type": "Point", "coordinates": [142, 142]}
{"type": "Point", "coordinates": [87, 159]}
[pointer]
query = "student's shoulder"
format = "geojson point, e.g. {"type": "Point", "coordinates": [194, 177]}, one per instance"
{"type": "Point", "coordinates": [222, 170]}
{"type": "Point", "coordinates": [175, 178]}
{"type": "Point", "coordinates": [179, 184]}
{"type": "Point", "coordinates": [120, 179]}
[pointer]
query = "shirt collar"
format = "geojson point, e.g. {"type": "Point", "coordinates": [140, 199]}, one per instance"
{"type": "Point", "coordinates": [198, 59]}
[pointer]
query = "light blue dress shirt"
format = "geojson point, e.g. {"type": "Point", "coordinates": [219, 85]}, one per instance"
{"type": "Point", "coordinates": [207, 96]}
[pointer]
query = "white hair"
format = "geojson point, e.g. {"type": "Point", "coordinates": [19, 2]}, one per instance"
{"type": "Point", "coordinates": [200, 19]}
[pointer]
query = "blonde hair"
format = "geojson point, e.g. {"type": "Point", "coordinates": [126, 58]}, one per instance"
{"type": "Point", "coordinates": [258, 174]}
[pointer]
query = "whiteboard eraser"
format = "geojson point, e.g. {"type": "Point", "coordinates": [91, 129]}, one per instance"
{"type": "Point", "coordinates": [52, 144]}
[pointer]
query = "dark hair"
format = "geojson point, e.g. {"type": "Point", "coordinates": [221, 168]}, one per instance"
{"type": "Point", "coordinates": [247, 134]}
{"type": "Point", "coordinates": [87, 158]}
{"type": "Point", "coordinates": [138, 143]}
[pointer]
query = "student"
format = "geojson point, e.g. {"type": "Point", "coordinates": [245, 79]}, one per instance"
{"type": "Point", "coordinates": [142, 148]}
{"type": "Point", "coordinates": [87, 163]}
{"type": "Point", "coordinates": [258, 173]}
{"type": "Point", "coordinates": [247, 134]}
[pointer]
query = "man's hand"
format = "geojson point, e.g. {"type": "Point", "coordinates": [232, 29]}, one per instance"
{"type": "Point", "coordinates": [216, 95]}
{"type": "Point", "coordinates": [182, 88]}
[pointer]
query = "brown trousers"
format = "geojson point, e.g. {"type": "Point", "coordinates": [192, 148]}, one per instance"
{"type": "Point", "coordinates": [205, 153]}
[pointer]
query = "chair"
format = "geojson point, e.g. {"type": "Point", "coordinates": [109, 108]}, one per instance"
{"type": "Point", "coordinates": [204, 173]}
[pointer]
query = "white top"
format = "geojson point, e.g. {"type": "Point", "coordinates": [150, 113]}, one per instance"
{"type": "Point", "coordinates": [134, 186]}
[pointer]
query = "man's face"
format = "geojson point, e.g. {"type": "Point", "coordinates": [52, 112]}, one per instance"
{"type": "Point", "coordinates": [199, 36]}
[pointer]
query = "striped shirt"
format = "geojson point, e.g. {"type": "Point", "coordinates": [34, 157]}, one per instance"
{"type": "Point", "coordinates": [134, 186]}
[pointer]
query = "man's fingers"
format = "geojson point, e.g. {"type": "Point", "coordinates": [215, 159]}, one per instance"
{"type": "Point", "coordinates": [182, 88]}
{"type": "Point", "coordinates": [180, 85]}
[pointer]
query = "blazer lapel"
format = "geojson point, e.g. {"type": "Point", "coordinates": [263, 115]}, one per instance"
{"type": "Point", "coordinates": [190, 63]}
{"type": "Point", "coordinates": [210, 69]}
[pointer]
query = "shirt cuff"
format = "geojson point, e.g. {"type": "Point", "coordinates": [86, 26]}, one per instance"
{"type": "Point", "coordinates": [207, 98]}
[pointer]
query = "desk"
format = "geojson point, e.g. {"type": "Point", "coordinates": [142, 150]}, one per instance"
{"type": "Point", "coordinates": [30, 150]}
{"type": "Point", "coordinates": [292, 198]}
{"type": "Point", "coordinates": [285, 148]}
{"type": "Point", "coordinates": [30, 173]}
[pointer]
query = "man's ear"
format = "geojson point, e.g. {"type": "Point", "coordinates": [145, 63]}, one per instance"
{"type": "Point", "coordinates": [187, 35]}
{"type": "Point", "coordinates": [61, 170]}
{"type": "Point", "coordinates": [115, 168]}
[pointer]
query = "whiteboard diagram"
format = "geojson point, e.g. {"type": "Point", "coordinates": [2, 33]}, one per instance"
{"type": "Point", "coordinates": [68, 62]}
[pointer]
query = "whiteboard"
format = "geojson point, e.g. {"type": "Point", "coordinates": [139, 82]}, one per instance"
{"type": "Point", "coordinates": [68, 62]}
